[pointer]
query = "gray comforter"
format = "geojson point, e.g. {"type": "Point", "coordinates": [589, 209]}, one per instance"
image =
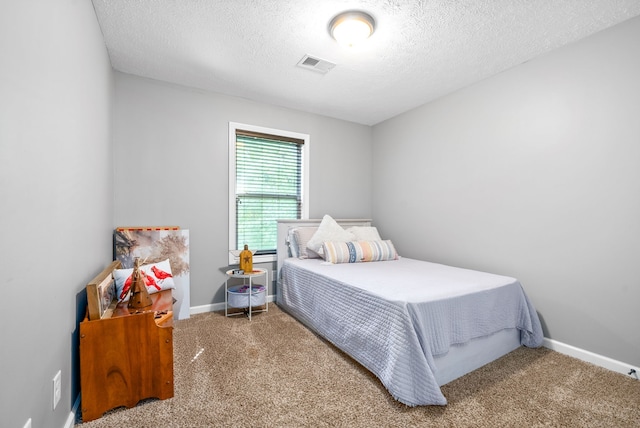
{"type": "Point", "coordinates": [393, 317]}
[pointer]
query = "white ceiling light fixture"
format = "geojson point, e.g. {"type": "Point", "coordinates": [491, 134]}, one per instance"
{"type": "Point", "coordinates": [352, 27]}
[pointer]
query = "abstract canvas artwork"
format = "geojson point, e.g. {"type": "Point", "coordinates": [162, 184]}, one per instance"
{"type": "Point", "coordinates": [155, 244]}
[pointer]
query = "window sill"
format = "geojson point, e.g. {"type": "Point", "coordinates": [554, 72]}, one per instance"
{"type": "Point", "coordinates": [266, 258]}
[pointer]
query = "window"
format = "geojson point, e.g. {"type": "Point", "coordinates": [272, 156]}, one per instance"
{"type": "Point", "coordinates": [267, 181]}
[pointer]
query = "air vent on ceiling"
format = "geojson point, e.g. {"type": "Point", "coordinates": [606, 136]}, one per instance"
{"type": "Point", "coordinates": [315, 64]}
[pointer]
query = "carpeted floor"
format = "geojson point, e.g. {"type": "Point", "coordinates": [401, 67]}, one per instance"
{"type": "Point", "coordinates": [273, 372]}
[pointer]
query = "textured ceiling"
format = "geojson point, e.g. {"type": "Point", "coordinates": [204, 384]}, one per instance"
{"type": "Point", "coordinates": [421, 49]}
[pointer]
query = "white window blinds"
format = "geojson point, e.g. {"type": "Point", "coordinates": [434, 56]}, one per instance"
{"type": "Point", "coordinates": [268, 187]}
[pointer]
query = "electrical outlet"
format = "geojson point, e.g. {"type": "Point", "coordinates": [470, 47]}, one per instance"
{"type": "Point", "coordinates": [57, 388]}
{"type": "Point", "coordinates": [27, 424]}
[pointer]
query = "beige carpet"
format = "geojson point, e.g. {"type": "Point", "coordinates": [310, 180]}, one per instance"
{"type": "Point", "coordinates": [273, 372]}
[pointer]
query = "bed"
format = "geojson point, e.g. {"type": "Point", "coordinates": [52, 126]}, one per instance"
{"type": "Point", "coordinates": [416, 325]}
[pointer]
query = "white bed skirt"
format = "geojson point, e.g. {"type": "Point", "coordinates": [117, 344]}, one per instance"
{"type": "Point", "coordinates": [463, 359]}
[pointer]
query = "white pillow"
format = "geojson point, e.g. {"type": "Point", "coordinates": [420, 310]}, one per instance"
{"type": "Point", "coordinates": [329, 230]}
{"type": "Point", "coordinates": [157, 277]}
{"type": "Point", "coordinates": [365, 233]}
{"type": "Point", "coordinates": [293, 244]}
{"type": "Point", "coordinates": [301, 236]}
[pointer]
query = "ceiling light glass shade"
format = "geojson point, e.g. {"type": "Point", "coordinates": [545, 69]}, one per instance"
{"type": "Point", "coordinates": [351, 28]}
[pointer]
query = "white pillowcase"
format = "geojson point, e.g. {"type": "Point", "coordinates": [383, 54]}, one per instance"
{"type": "Point", "coordinates": [365, 233]}
{"type": "Point", "coordinates": [329, 230]}
{"type": "Point", "coordinates": [301, 237]}
{"type": "Point", "coordinates": [158, 277]}
{"type": "Point", "coordinates": [292, 243]}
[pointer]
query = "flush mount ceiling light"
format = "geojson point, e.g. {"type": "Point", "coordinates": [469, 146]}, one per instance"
{"type": "Point", "coordinates": [352, 27]}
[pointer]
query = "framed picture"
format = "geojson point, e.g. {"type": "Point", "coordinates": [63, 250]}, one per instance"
{"type": "Point", "coordinates": [154, 244]}
{"type": "Point", "coordinates": [101, 293]}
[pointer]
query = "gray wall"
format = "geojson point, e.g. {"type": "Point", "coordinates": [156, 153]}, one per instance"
{"type": "Point", "coordinates": [55, 197]}
{"type": "Point", "coordinates": [533, 173]}
{"type": "Point", "coordinates": [171, 166]}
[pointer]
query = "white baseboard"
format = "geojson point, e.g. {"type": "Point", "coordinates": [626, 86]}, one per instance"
{"type": "Point", "coordinates": [590, 357]}
{"type": "Point", "coordinates": [71, 420]}
{"type": "Point", "coordinates": [193, 310]}
{"type": "Point", "coordinates": [214, 307]}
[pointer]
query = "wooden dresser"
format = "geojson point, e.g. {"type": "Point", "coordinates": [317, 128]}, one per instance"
{"type": "Point", "coordinates": [127, 357]}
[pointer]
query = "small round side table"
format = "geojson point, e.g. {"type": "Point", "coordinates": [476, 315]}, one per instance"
{"type": "Point", "coordinates": [246, 277]}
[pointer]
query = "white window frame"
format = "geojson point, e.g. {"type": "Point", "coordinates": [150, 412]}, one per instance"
{"type": "Point", "coordinates": [304, 188]}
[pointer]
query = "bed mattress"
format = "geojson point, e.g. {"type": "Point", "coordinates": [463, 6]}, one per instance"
{"type": "Point", "coordinates": [393, 317]}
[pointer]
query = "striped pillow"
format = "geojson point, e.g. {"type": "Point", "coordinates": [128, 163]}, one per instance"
{"type": "Point", "coordinates": [359, 251]}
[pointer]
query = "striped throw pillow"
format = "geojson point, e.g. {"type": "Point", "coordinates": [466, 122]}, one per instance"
{"type": "Point", "coordinates": [359, 251]}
